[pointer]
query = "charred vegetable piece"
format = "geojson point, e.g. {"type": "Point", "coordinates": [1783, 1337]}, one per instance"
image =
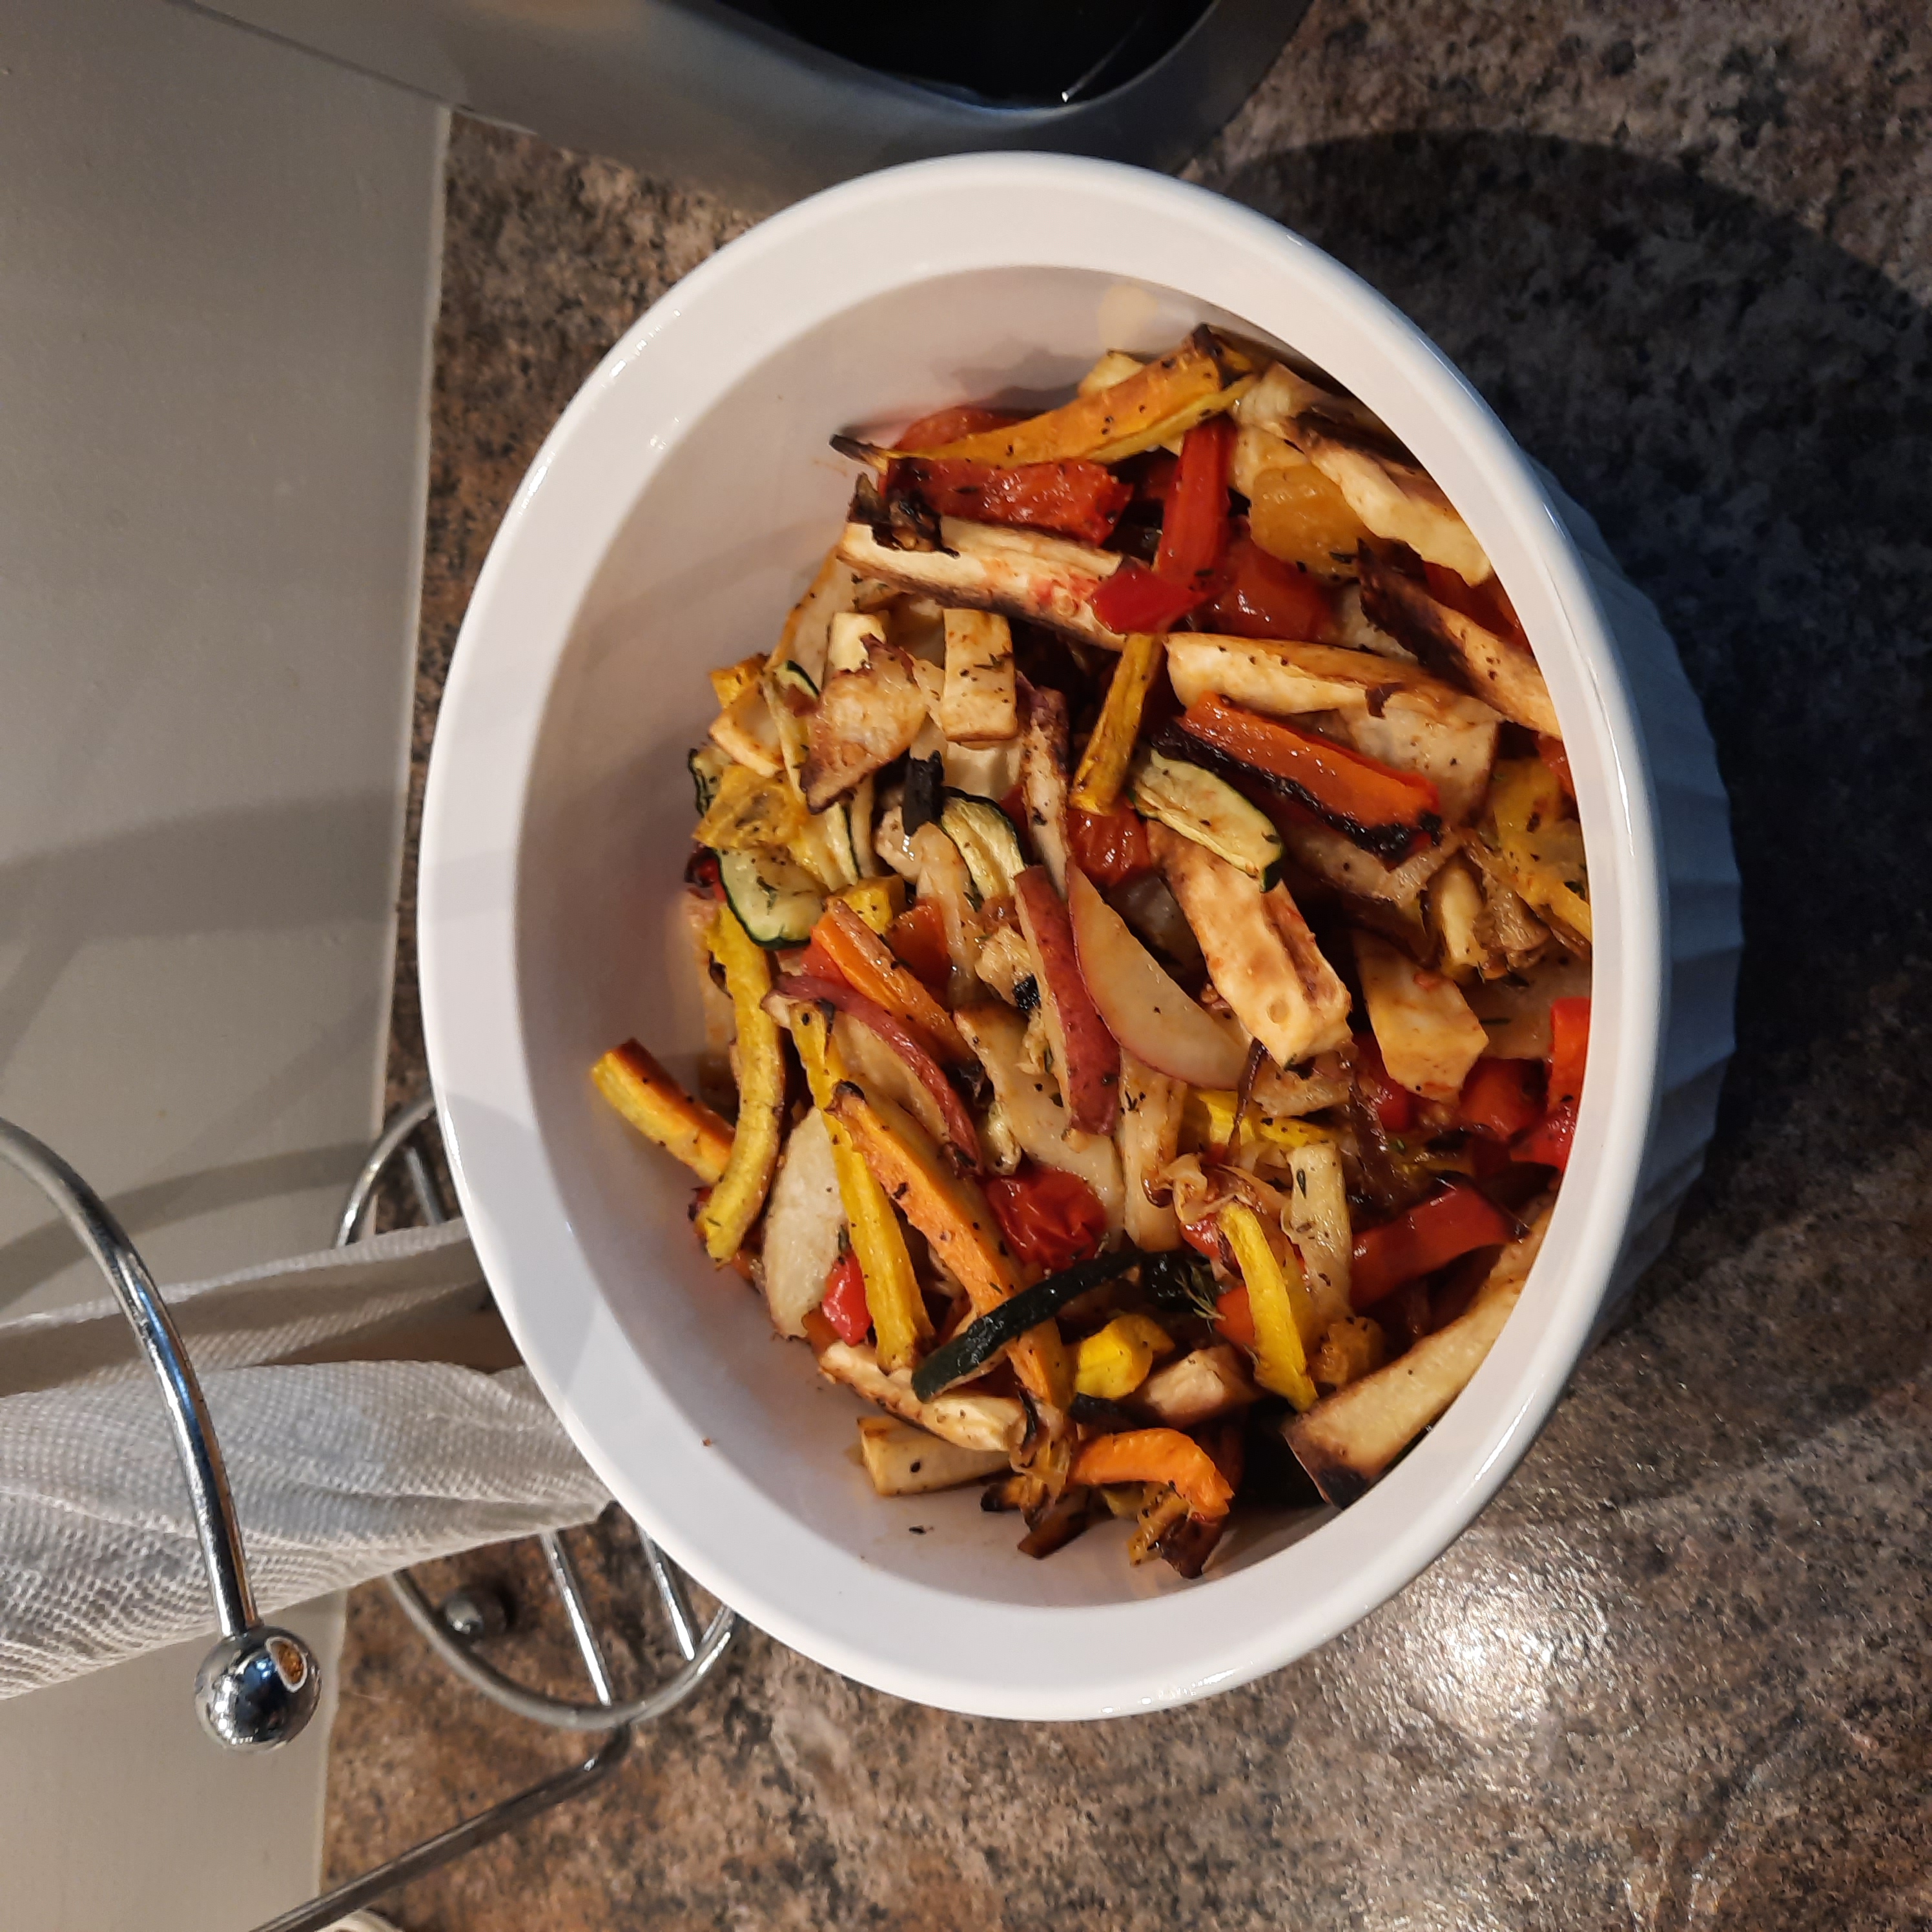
{"type": "Point", "coordinates": [1071, 498]}
{"type": "Point", "coordinates": [969, 1351]}
{"type": "Point", "coordinates": [662, 1111]}
{"type": "Point", "coordinates": [867, 964]}
{"type": "Point", "coordinates": [740, 1193]}
{"type": "Point", "coordinates": [1026, 574]}
{"type": "Point", "coordinates": [1146, 409]}
{"type": "Point", "coordinates": [864, 720]}
{"type": "Point", "coordinates": [1383, 810]}
{"type": "Point", "coordinates": [1390, 493]}
{"type": "Point", "coordinates": [900, 1037]}
{"type": "Point", "coordinates": [1208, 810]}
{"type": "Point", "coordinates": [1345, 1442]}
{"type": "Point", "coordinates": [1043, 780]}
{"type": "Point", "coordinates": [1278, 1303]}
{"type": "Point", "coordinates": [1432, 1235]}
{"type": "Point", "coordinates": [1161, 1455]}
{"type": "Point", "coordinates": [1500, 671]}
{"type": "Point", "coordinates": [1087, 1059]}
{"type": "Point", "coordinates": [1103, 765]}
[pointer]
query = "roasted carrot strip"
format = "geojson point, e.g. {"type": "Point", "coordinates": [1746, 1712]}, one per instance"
{"type": "Point", "coordinates": [1156, 1456]}
{"type": "Point", "coordinates": [660, 1109]}
{"type": "Point", "coordinates": [868, 964]}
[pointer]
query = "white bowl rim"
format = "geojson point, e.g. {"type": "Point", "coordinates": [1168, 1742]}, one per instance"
{"type": "Point", "coordinates": [1003, 211]}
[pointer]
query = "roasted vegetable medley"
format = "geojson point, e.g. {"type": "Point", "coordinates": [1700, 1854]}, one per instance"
{"type": "Point", "coordinates": [1143, 922]}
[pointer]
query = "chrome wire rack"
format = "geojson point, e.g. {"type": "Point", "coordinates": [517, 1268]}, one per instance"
{"type": "Point", "coordinates": [259, 1685]}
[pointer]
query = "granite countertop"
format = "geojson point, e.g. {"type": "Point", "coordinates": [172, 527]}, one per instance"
{"type": "Point", "coordinates": [1677, 1674]}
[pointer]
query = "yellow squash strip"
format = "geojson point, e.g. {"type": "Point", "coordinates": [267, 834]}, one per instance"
{"type": "Point", "coordinates": [724, 1219]}
{"type": "Point", "coordinates": [1543, 849]}
{"type": "Point", "coordinates": [1163, 1455]}
{"type": "Point", "coordinates": [1203, 375]}
{"type": "Point", "coordinates": [1114, 1362]}
{"type": "Point", "coordinates": [875, 970]}
{"type": "Point", "coordinates": [1103, 765]}
{"type": "Point", "coordinates": [1207, 1120]}
{"type": "Point", "coordinates": [662, 1111]}
{"type": "Point", "coordinates": [752, 811]}
{"type": "Point", "coordinates": [731, 681]}
{"type": "Point", "coordinates": [1280, 1303]}
{"type": "Point", "coordinates": [952, 1214]}
{"type": "Point", "coordinates": [892, 1293]}
{"type": "Point", "coordinates": [877, 901]}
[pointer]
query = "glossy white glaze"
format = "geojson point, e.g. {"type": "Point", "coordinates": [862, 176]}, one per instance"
{"type": "Point", "coordinates": [680, 504]}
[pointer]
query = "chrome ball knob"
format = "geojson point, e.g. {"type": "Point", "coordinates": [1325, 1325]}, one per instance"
{"type": "Point", "coordinates": [257, 1690]}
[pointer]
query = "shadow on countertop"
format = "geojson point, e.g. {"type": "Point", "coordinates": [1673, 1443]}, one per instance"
{"type": "Point", "coordinates": [1676, 1672]}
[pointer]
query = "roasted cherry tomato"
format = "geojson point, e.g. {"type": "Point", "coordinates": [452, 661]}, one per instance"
{"type": "Point", "coordinates": [1110, 847]}
{"type": "Point", "coordinates": [1048, 1217]}
{"type": "Point", "coordinates": [954, 424]}
{"type": "Point", "coordinates": [1257, 595]}
{"type": "Point", "coordinates": [1487, 603]}
{"type": "Point", "coordinates": [1078, 499]}
{"type": "Point", "coordinates": [845, 1303]}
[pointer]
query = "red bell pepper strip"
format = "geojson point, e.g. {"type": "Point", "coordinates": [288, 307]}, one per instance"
{"type": "Point", "coordinates": [918, 936]}
{"type": "Point", "coordinates": [1194, 524]}
{"type": "Point", "coordinates": [1486, 604]}
{"type": "Point", "coordinates": [1569, 1047]}
{"type": "Point", "coordinates": [1498, 1098]}
{"type": "Point", "coordinates": [1234, 1318]}
{"type": "Point", "coordinates": [1429, 1236]}
{"type": "Point", "coordinates": [1379, 807]}
{"type": "Point", "coordinates": [1110, 847]}
{"type": "Point", "coordinates": [953, 424]}
{"type": "Point", "coordinates": [904, 1042]}
{"type": "Point", "coordinates": [845, 1303]}
{"type": "Point", "coordinates": [1257, 595]}
{"type": "Point", "coordinates": [1547, 1144]}
{"type": "Point", "coordinates": [1073, 498]}
{"type": "Point", "coordinates": [1394, 1105]}
{"type": "Point", "coordinates": [1134, 599]}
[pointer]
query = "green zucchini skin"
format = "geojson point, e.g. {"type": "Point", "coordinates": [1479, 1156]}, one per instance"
{"type": "Point", "coordinates": [987, 842]}
{"type": "Point", "coordinates": [777, 902]}
{"type": "Point", "coordinates": [1205, 808]}
{"type": "Point", "coordinates": [979, 1341]}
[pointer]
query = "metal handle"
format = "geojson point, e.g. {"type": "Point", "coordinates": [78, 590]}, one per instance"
{"type": "Point", "coordinates": [259, 1686]}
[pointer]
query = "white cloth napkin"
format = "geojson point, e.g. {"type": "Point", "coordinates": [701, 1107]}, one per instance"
{"type": "Point", "coordinates": [343, 1468]}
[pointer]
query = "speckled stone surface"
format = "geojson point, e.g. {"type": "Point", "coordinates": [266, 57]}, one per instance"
{"type": "Point", "coordinates": [1677, 1674]}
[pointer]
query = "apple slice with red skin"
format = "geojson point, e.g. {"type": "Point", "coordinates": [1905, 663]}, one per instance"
{"type": "Point", "coordinates": [1142, 1007]}
{"type": "Point", "coordinates": [1086, 1060]}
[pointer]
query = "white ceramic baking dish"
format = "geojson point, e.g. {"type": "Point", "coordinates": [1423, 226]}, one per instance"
{"type": "Point", "coordinates": [668, 522]}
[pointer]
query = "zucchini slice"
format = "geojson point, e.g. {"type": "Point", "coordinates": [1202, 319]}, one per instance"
{"type": "Point", "coordinates": [1210, 812]}
{"type": "Point", "coordinates": [981, 1338]}
{"type": "Point", "coordinates": [776, 902]}
{"type": "Point", "coordinates": [987, 842]}
{"type": "Point", "coordinates": [706, 765]}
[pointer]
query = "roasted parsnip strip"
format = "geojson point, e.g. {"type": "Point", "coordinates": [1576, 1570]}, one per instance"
{"type": "Point", "coordinates": [977, 705]}
{"type": "Point", "coordinates": [972, 1421]}
{"type": "Point", "coordinates": [1347, 1441]}
{"type": "Point", "coordinates": [988, 567]}
{"type": "Point", "coordinates": [903, 1460]}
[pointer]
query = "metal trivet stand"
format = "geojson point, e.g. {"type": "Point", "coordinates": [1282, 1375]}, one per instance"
{"type": "Point", "coordinates": [259, 1686]}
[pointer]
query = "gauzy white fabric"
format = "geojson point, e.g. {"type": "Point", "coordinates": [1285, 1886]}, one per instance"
{"type": "Point", "coordinates": [342, 1468]}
